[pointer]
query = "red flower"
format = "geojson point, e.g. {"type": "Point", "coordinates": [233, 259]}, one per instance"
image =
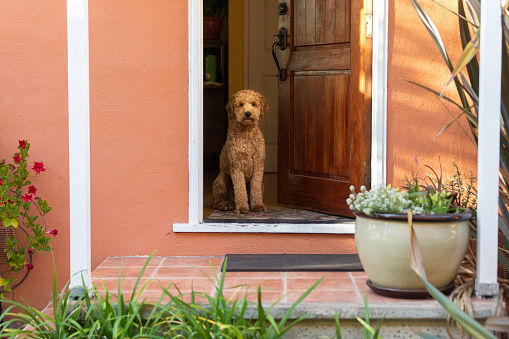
{"type": "Point", "coordinates": [54, 232]}
{"type": "Point", "coordinates": [22, 144]}
{"type": "Point", "coordinates": [29, 266]}
{"type": "Point", "coordinates": [1, 182]}
{"type": "Point", "coordinates": [32, 189]}
{"type": "Point", "coordinates": [38, 167]}
{"type": "Point", "coordinates": [27, 197]}
{"type": "Point", "coordinates": [17, 158]}
{"type": "Point", "coordinates": [30, 250]}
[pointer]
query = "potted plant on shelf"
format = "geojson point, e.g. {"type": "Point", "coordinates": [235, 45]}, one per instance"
{"type": "Point", "coordinates": [213, 14]}
{"type": "Point", "coordinates": [384, 220]}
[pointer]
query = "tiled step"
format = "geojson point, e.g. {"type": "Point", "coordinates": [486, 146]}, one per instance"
{"type": "Point", "coordinates": [341, 291]}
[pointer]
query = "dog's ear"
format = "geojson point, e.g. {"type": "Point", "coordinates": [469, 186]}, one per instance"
{"type": "Point", "coordinates": [264, 106]}
{"type": "Point", "coordinates": [230, 109]}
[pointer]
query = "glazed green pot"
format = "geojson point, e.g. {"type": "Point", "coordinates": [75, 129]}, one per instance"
{"type": "Point", "coordinates": [383, 244]}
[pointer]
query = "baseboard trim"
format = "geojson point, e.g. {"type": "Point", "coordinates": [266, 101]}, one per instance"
{"type": "Point", "coordinates": [339, 228]}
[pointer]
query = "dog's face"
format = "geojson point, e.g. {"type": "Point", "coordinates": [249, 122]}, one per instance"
{"type": "Point", "coordinates": [247, 107]}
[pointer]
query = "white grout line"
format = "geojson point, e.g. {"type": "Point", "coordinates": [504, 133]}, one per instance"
{"type": "Point", "coordinates": [355, 287]}
{"type": "Point", "coordinates": [157, 269]}
{"type": "Point", "coordinates": [285, 290]}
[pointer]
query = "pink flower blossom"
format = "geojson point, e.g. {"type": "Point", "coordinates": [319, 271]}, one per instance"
{"type": "Point", "coordinates": [27, 197]}
{"type": "Point", "coordinates": [22, 144]}
{"type": "Point", "coordinates": [17, 158]}
{"type": "Point", "coordinates": [29, 266]}
{"type": "Point", "coordinates": [54, 232]}
{"type": "Point", "coordinates": [38, 167]}
{"type": "Point", "coordinates": [30, 250]}
{"type": "Point", "coordinates": [32, 189]}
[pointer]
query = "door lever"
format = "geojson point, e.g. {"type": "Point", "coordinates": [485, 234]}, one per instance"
{"type": "Point", "coordinates": [281, 44]}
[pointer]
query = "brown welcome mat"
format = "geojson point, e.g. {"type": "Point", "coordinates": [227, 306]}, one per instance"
{"type": "Point", "coordinates": [282, 216]}
{"type": "Point", "coordinates": [292, 263]}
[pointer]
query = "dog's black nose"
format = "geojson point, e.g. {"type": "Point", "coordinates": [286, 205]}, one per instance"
{"type": "Point", "coordinates": [247, 114]}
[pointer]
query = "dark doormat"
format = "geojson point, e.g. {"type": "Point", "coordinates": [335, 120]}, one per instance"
{"type": "Point", "coordinates": [292, 263]}
{"type": "Point", "coordinates": [281, 216]}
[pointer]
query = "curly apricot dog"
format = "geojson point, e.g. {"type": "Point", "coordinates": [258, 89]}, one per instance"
{"type": "Point", "coordinates": [243, 155]}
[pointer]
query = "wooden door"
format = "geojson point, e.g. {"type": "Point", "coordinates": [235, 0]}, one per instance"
{"type": "Point", "coordinates": [324, 111]}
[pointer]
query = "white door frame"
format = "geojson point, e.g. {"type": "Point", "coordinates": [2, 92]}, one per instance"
{"type": "Point", "coordinates": [378, 139]}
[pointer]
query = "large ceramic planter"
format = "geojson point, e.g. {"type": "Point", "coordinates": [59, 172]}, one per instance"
{"type": "Point", "coordinates": [383, 244]}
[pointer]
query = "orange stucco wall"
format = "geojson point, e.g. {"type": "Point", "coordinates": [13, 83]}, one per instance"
{"type": "Point", "coordinates": [33, 106]}
{"type": "Point", "coordinates": [416, 116]}
{"type": "Point", "coordinates": [139, 126]}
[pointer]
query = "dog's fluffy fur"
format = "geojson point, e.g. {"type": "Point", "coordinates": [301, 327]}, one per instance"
{"type": "Point", "coordinates": [243, 155]}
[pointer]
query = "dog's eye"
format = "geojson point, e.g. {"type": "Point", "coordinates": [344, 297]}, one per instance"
{"type": "Point", "coordinates": [254, 104]}
{"type": "Point", "coordinates": [241, 104]}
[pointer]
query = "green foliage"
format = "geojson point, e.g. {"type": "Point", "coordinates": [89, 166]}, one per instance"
{"type": "Point", "coordinates": [112, 316]}
{"type": "Point", "coordinates": [19, 213]}
{"type": "Point", "coordinates": [368, 329]}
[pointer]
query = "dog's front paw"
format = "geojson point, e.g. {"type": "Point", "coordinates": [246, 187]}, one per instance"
{"type": "Point", "coordinates": [225, 206]}
{"type": "Point", "coordinates": [242, 209]}
{"type": "Point", "coordinates": [259, 208]}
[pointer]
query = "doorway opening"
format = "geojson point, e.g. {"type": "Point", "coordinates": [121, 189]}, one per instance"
{"type": "Point", "coordinates": [327, 146]}
{"type": "Point", "coordinates": [246, 47]}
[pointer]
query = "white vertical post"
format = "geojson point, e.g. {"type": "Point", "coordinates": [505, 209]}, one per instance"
{"type": "Point", "coordinates": [195, 55]}
{"type": "Point", "coordinates": [489, 147]}
{"type": "Point", "coordinates": [79, 142]}
{"type": "Point", "coordinates": [379, 95]}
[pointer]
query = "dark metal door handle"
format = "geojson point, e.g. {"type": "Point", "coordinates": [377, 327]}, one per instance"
{"type": "Point", "coordinates": [281, 44]}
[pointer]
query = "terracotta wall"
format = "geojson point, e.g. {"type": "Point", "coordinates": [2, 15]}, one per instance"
{"type": "Point", "coordinates": [139, 124]}
{"type": "Point", "coordinates": [33, 106]}
{"type": "Point", "coordinates": [415, 116]}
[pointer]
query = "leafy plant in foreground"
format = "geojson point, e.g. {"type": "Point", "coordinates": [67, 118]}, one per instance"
{"type": "Point", "coordinates": [111, 316]}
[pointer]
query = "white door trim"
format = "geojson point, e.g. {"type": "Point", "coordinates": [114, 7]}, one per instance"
{"type": "Point", "coordinates": [79, 143]}
{"type": "Point", "coordinates": [195, 56]}
{"type": "Point", "coordinates": [379, 131]}
{"type": "Point", "coordinates": [379, 93]}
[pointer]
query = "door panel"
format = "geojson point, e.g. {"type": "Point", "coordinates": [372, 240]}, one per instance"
{"type": "Point", "coordinates": [322, 110]}
{"type": "Point", "coordinates": [318, 132]}
{"type": "Point", "coordinates": [321, 22]}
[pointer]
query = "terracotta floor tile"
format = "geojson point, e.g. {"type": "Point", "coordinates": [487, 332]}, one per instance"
{"type": "Point", "coordinates": [112, 284]}
{"type": "Point", "coordinates": [126, 272]}
{"type": "Point", "coordinates": [130, 261]}
{"type": "Point", "coordinates": [326, 284]}
{"type": "Point", "coordinates": [186, 284]}
{"type": "Point", "coordinates": [360, 275]}
{"type": "Point", "coordinates": [193, 261]}
{"type": "Point", "coordinates": [252, 295]}
{"type": "Point", "coordinates": [266, 283]}
{"type": "Point", "coordinates": [317, 275]}
{"type": "Point", "coordinates": [194, 272]}
{"type": "Point", "coordinates": [325, 296]}
{"type": "Point", "coordinates": [249, 275]}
